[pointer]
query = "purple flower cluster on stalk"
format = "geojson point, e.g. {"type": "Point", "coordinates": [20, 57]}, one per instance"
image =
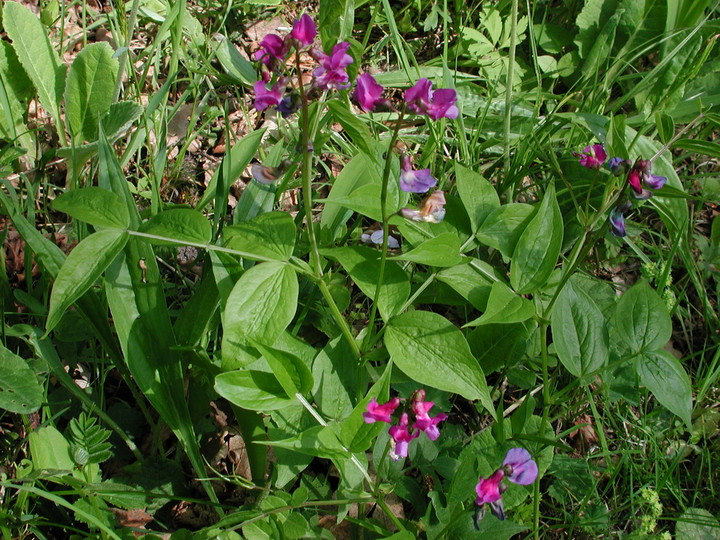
{"type": "Point", "coordinates": [518, 467]}
{"type": "Point", "coordinates": [331, 72]}
{"type": "Point", "coordinates": [402, 433]}
{"type": "Point", "coordinates": [421, 99]}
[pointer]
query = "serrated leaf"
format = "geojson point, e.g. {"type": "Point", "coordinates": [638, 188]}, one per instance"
{"type": "Point", "coordinates": [477, 194]}
{"type": "Point", "coordinates": [579, 332]}
{"type": "Point", "coordinates": [442, 251]}
{"type": "Point", "coordinates": [431, 350]}
{"type": "Point", "coordinates": [20, 391]}
{"type": "Point", "coordinates": [270, 235]}
{"type": "Point", "coordinates": [89, 90]}
{"type": "Point", "coordinates": [504, 306]}
{"type": "Point", "coordinates": [94, 205]}
{"type": "Point", "coordinates": [81, 269]}
{"type": "Point", "coordinates": [641, 319]}
{"type": "Point", "coordinates": [181, 224]}
{"type": "Point", "coordinates": [538, 247]}
{"type": "Point", "coordinates": [662, 374]}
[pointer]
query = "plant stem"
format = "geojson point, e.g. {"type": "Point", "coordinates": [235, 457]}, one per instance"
{"type": "Point", "coordinates": [508, 97]}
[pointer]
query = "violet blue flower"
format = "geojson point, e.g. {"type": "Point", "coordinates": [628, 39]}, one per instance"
{"type": "Point", "coordinates": [518, 467]}
{"type": "Point", "coordinates": [618, 165]}
{"type": "Point", "coordinates": [289, 104]}
{"type": "Point", "coordinates": [423, 421]}
{"type": "Point", "coordinates": [401, 437]}
{"type": "Point", "coordinates": [368, 92]}
{"type": "Point", "coordinates": [415, 181]}
{"type": "Point", "coordinates": [421, 99]}
{"type": "Point", "coordinates": [592, 156]}
{"type": "Point", "coordinates": [265, 98]}
{"type": "Point", "coordinates": [304, 30]}
{"type": "Point", "coordinates": [617, 223]}
{"type": "Point", "coordinates": [272, 48]}
{"type": "Point", "coordinates": [380, 413]}
{"type": "Point", "coordinates": [331, 72]}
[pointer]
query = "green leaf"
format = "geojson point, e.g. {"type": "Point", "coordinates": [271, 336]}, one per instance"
{"type": "Point", "coordinates": [469, 282]}
{"type": "Point", "coordinates": [431, 350]}
{"type": "Point", "coordinates": [503, 227]}
{"type": "Point", "coordinates": [181, 224]}
{"type": "Point", "coordinates": [336, 379]}
{"type": "Point", "coordinates": [442, 251]}
{"type": "Point", "coordinates": [15, 91]}
{"type": "Point", "coordinates": [697, 524]}
{"type": "Point", "coordinates": [234, 63]}
{"type": "Point", "coordinates": [641, 319]}
{"type": "Point", "coordinates": [538, 248]}
{"type": "Point", "coordinates": [579, 332]}
{"type": "Point", "coordinates": [477, 194]}
{"type": "Point", "coordinates": [89, 90]}
{"type": "Point", "coordinates": [254, 390]}
{"type": "Point", "coordinates": [291, 372]}
{"type": "Point", "coordinates": [50, 450]}
{"type": "Point", "coordinates": [261, 305]}
{"type": "Point", "coordinates": [662, 374]}
{"type": "Point", "coordinates": [96, 206]}
{"type": "Point", "coordinates": [504, 306]}
{"type": "Point", "coordinates": [82, 268]}
{"type": "Point", "coordinates": [698, 147]}
{"type": "Point", "coordinates": [353, 126]}
{"type": "Point", "coordinates": [270, 235]}
{"type": "Point", "coordinates": [498, 346]}
{"type": "Point", "coordinates": [20, 391]}
{"type": "Point", "coordinates": [37, 56]}
{"type": "Point", "coordinates": [363, 264]}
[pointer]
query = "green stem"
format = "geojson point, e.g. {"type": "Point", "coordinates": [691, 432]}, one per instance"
{"type": "Point", "coordinates": [385, 229]}
{"type": "Point", "coordinates": [509, 96]}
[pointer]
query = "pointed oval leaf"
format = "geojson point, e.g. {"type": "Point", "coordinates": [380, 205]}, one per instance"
{"type": "Point", "coordinates": [94, 205]}
{"type": "Point", "coordinates": [254, 390]}
{"type": "Point", "coordinates": [180, 224]}
{"type": "Point", "coordinates": [503, 227]}
{"type": "Point", "coordinates": [662, 374]}
{"type": "Point", "coordinates": [477, 194]}
{"type": "Point", "coordinates": [641, 319]}
{"type": "Point", "coordinates": [291, 372]}
{"type": "Point", "coordinates": [270, 235]}
{"type": "Point", "coordinates": [20, 391]}
{"type": "Point", "coordinates": [442, 251]}
{"type": "Point", "coordinates": [538, 248]}
{"type": "Point", "coordinates": [431, 350]}
{"type": "Point", "coordinates": [504, 306]}
{"type": "Point", "coordinates": [81, 269]}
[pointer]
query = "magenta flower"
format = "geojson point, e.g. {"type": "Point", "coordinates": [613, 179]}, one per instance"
{"type": "Point", "coordinates": [415, 181]}
{"type": "Point", "coordinates": [368, 92]}
{"type": "Point", "coordinates": [641, 175]}
{"type": "Point", "coordinates": [272, 48]}
{"type": "Point", "coordinates": [423, 421]}
{"type": "Point", "coordinates": [421, 99]}
{"type": "Point", "coordinates": [265, 98]}
{"type": "Point", "coordinates": [518, 467]}
{"type": "Point", "coordinates": [592, 156]}
{"type": "Point", "coordinates": [304, 30]}
{"type": "Point", "coordinates": [401, 437]}
{"type": "Point", "coordinates": [331, 72]}
{"type": "Point", "coordinates": [380, 413]}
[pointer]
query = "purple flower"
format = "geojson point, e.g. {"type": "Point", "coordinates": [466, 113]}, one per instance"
{"type": "Point", "coordinates": [401, 437]}
{"type": "Point", "coordinates": [432, 209]}
{"type": "Point", "coordinates": [592, 156]}
{"type": "Point", "coordinates": [304, 30]}
{"type": "Point", "coordinates": [423, 421]}
{"type": "Point", "coordinates": [331, 72]}
{"type": "Point", "coordinates": [272, 48]}
{"type": "Point", "coordinates": [617, 223]}
{"type": "Point", "coordinates": [289, 104]}
{"type": "Point", "coordinates": [265, 98]}
{"type": "Point", "coordinates": [618, 165]}
{"type": "Point", "coordinates": [415, 181]}
{"type": "Point", "coordinates": [421, 99]}
{"type": "Point", "coordinates": [380, 413]}
{"type": "Point", "coordinates": [641, 175]}
{"type": "Point", "coordinates": [518, 467]}
{"type": "Point", "coordinates": [368, 92]}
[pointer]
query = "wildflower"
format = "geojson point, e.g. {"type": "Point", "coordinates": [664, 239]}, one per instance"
{"type": "Point", "coordinates": [331, 72]}
{"type": "Point", "coordinates": [617, 219]}
{"type": "Point", "coordinates": [368, 93]}
{"type": "Point", "coordinates": [518, 467]}
{"type": "Point", "coordinates": [423, 421]}
{"type": "Point", "coordinates": [272, 48]}
{"type": "Point", "coordinates": [401, 437]}
{"type": "Point", "coordinates": [265, 98]}
{"type": "Point", "coordinates": [619, 166]}
{"type": "Point", "coordinates": [289, 104]}
{"type": "Point", "coordinates": [376, 237]}
{"type": "Point", "coordinates": [380, 413]}
{"type": "Point", "coordinates": [592, 156]}
{"type": "Point", "coordinates": [415, 181]}
{"type": "Point", "coordinates": [432, 209]}
{"type": "Point", "coordinates": [438, 104]}
{"type": "Point", "coordinates": [641, 174]}
{"type": "Point", "coordinates": [304, 30]}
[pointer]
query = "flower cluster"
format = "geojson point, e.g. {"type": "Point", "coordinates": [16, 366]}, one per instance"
{"type": "Point", "coordinates": [518, 467]}
{"type": "Point", "coordinates": [592, 156]}
{"type": "Point", "coordinates": [402, 433]}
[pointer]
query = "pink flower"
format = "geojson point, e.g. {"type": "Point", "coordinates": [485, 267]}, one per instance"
{"type": "Point", "coordinates": [380, 413]}
{"type": "Point", "coordinates": [415, 181]}
{"type": "Point", "coordinates": [592, 156]}
{"type": "Point", "coordinates": [423, 421]}
{"type": "Point", "coordinates": [331, 72]}
{"type": "Point", "coordinates": [488, 490]}
{"type": "Point", "coordinates": [304, 30]}
{"type": "Point", "coordinates": [272, 48]}
{"type": "Point", "coordinates": [368, 92]}
{"type": "Point", "coordinates": [401, 438]}
{"type": "Point", "coordinates": [265, 98]}
{"type": "Point", "coordinates": [641, 174]}
{"type": "Point", "coordinates": [518, 467]}
{"type": "Point", "coordinates": [438, 104]}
